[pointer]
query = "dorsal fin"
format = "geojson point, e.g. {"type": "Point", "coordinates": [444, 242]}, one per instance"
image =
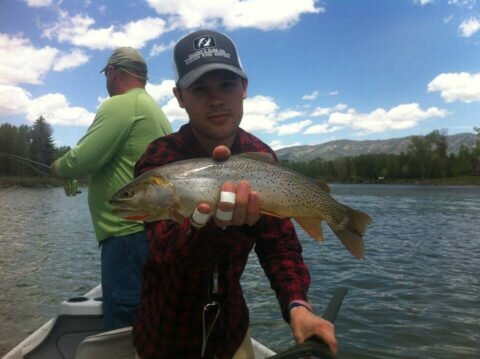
{"type": "Point", "coordinates": [260, 156]}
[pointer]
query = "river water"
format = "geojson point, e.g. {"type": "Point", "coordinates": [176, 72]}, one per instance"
{"type": "Point", "coordinates": [417, 293]}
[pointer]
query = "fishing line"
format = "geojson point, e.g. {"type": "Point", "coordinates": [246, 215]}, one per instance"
{"type": "Point", "coordinates": [28, 162]}
{"type": "Point", "coordinates": [70, 185]}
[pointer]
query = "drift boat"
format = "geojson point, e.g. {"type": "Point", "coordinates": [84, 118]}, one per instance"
{"type": "Point", "coordinates": [76, 332]}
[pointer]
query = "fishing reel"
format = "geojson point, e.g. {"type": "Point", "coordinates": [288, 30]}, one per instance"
{"type": "Point", "coordinates": [71, 187]}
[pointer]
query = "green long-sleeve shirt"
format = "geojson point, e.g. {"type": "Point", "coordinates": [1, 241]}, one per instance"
{"type": "Point", "coordinates": [123, 128]}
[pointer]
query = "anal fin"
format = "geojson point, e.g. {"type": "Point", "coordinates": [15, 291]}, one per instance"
{"type": "Point", "coordinates": [311, 225]}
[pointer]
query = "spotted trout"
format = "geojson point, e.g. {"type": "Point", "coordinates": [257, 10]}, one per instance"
{"type": "Point", "coordinates": [173, 192]}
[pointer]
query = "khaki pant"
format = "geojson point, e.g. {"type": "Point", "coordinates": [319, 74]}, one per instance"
{"type": "Point", "coordinates": [244, 351]}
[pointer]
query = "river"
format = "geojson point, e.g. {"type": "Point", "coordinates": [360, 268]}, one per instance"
{"type": "Point", "coordinates": [416, 294]}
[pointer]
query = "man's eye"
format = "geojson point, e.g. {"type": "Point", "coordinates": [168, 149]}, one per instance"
{"type": "Point", "coordinates": [199, 89]}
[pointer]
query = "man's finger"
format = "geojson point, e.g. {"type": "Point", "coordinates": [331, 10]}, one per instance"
{"type": "Point", "coordinates": [221, 153]}
{"type": "Point", "coordinates": [226, 204]}
{"type": "Point", "coordinates": [241, 203]}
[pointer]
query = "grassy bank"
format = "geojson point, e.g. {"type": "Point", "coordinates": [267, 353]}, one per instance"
{"type": "Point", "coordinates": [30, 182]}
{"type": "Point", "coordinates": [34, 182]}
{"type": "Point", "coordinates": [447, 181]}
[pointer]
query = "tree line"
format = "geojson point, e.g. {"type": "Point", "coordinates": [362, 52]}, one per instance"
{"type": "Point", "coordinates": [426, 158]}
{"type": "Point", "coordinates": [34, 143]}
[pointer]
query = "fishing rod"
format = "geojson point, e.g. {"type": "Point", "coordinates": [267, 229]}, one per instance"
{"type": "Point", "coordinates": [70, 185]}
{"type": "Point", "coordinates": [27, 161]}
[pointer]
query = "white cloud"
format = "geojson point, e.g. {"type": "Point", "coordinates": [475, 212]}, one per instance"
{"type": "Point", "coordinates": [465, 3]}
{"type": "Point", "coordinates": [21, 62]}
{"type": "Point", "coordinates": [288, 114]}
{"type": "Point", "coordinates": [173, 111]}
{"type": "Point", "coordinates": [321, 129]}
{"type": "Point", "coordinates": [312, 96]}
{"type": "Point", "coordinates": [324, 111]}
{"type": "Point", "coordinates": [469, 27]}
{"type": "Point", "coordinates": [57, 111]}
{"type": "Point", "coordinates": [39, 3]}
{"type": "Point", "coordinates": [78, 30]}
{"type": "Point", "coordinates": [73, 59]}
{"type": "Point", "coordinates": [462, 86]}
{"type": "Point", "coordinates": [157, 49]}
{"type": "Point", "coordinates": [277, 144]}
{"type": "Point", "coordinates": [234, 14]}
{"type": "Point", "coordinates": [423, 2]}
{"type": "Point", "coordinates": [13, 100]}
{"type": "Point", "coordinates": [379, 120]}
{"type": "Point", "coordinates": [293, 128]}
{"type": "Point", "coordinates": [259, 114]}
{"type": "Point", "coordinates": [161, 92]}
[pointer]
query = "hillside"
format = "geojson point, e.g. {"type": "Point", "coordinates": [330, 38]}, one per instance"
{"type": "Point", "coordinates": [343, 148]}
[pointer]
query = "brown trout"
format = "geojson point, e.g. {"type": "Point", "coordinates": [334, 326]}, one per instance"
{"type": "Point", "coordinates": [173, 192]}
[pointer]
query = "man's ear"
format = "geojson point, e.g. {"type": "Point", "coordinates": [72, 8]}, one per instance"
{"type": "Point", "coordinates": [178, 94]}
{"type": "Point", "coordinates": [245, 88]}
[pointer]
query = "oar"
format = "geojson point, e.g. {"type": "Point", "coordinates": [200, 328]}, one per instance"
{"type": "Point", "coordinates": [315, 347]}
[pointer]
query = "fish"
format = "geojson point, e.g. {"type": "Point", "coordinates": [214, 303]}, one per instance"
{"type": "Point", "coordinates": [173, 191]}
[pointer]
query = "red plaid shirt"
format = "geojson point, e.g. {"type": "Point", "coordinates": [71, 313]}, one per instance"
{"type": "Point", "coordinates": [178, 275]}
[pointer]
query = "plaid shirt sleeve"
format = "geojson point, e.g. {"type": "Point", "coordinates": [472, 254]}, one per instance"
{"type": "Point", "coordinates": [277, 246]}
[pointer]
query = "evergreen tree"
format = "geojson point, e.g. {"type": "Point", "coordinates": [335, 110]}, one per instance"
{"type": "Point", "coordinates": [7, 144]}
{"type": "Point", "coordinates": [42, 147]}
{"type": "Point", "coordinates": [22, 149]}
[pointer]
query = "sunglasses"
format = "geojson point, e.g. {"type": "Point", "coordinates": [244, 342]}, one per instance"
{"type": "Point", "coordinates": [108, 70]}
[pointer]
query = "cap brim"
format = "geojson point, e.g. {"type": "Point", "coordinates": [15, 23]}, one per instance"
{"type": "Point", "coordinates": [103, 70]}
{"type": "Point", "coordinates": [188, 80]}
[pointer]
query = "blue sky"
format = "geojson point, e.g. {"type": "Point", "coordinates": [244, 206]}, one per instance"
{"type": "Point", "coordinates": [318, 70]}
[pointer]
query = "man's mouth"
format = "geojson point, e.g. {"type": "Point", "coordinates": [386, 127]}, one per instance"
{"type": "Point", "coordinates": [219, 117]}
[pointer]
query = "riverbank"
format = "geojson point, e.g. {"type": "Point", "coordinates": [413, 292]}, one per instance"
{"type": "Point", "coordinates": [32, 182]}
{"type": "Point", "coordinates": [447, 181]}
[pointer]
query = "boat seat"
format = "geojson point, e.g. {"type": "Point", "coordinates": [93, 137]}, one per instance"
{"type": "Point", "coordinates": [114, 344]}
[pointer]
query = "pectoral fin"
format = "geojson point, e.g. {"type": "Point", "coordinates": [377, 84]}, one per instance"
{"type": "Point", "coordinates": [311, 225]}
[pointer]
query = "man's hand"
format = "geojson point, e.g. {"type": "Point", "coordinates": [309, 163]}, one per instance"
{"type": "Point", "coordinates": [238, 205]}
{"type": "Point", "coordinates": [305, 324]}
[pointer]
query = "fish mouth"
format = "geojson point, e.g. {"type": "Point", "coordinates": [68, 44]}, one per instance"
{"type": "Point", "coordinates": [130, 214]}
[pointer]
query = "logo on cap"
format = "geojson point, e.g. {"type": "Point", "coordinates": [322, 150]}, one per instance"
{"type": "Point", "coordinates": [204, 42]}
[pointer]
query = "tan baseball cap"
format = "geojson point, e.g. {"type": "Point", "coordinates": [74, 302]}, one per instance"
{"type": "Point", "coordinates": [129, 59]}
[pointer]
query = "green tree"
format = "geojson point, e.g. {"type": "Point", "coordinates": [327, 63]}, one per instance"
{"type": "Point", "coordinates": [461, 164]}
{"type": "Point", "coordinates": [42, 147]}
{"type": "Point", "coordinates": [22, 149]}
{"type": "Point", "coordinates": [7, 145]}
{"type": "Point", "coordinates": [438, 148]}
{"type": "Point", "coordinates": [418, 151]}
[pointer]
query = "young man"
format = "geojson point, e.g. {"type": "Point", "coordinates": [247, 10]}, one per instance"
{"type": "Point", "coordinates": [122, 129]}
{"type": "Point", "coordinates": [192, 302]}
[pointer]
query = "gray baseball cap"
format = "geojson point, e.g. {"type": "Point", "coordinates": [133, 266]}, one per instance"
{"type": "Point", "coordinates": [129, 59]}
{"type": "Point", "coordinates": [203, 51]}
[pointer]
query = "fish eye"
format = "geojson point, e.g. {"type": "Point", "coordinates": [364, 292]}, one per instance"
{"type": "Point", "coordinates": [128, 193]}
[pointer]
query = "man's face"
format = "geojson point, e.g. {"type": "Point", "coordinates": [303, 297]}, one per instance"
{"type": "Point", "coordinates": [214, 104]}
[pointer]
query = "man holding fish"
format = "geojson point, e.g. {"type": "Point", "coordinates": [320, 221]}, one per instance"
{"type": "Point", "coordinates": [201, 226]}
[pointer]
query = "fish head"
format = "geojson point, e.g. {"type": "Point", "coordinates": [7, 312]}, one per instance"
{"type": "Point", "coordinates": [147, 198]}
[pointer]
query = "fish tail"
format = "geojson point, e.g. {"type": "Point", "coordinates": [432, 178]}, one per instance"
{"type": "Point", "coordinates": [352, 231]}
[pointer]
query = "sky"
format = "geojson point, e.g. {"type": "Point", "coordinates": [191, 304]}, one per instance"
{"type": "Point", "coordinates": [318, 70]}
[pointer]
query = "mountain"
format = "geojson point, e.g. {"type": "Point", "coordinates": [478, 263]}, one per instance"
{"type": "Point", "coordinates": [343, 148]}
